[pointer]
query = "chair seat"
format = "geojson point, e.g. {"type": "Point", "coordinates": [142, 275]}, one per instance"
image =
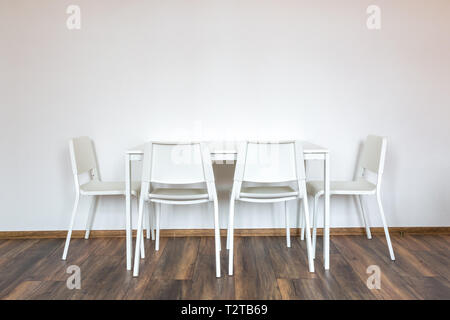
{"type": "Point", "coordinates": [108, 188]}
{"type": "Point", "coordinates": [179, 194]}
{"type": "Point", "coordinates": [342, 187]}
{"type": "Point", "coordinates": [266, 192]}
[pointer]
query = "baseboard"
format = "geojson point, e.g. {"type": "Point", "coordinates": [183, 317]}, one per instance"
{"type": "Point", "coordinates": [210, 232]}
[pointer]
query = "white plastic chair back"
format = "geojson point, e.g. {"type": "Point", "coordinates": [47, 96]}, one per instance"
{"type": "Point", "coordinates": [175, 163]}
{"type": "Point", "coordinates": [82, 155]}
{"type": "Point", "coordinates": [373, 154]}
{"type": "Point", "coordinates": [267, 162]}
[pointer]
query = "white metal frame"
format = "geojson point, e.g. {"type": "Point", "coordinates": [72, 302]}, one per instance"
{"type": "Point", "coordinates": [84, 160]}
{"type": "Point", "coordinates": [193, 173]}
{"type": "Point", "coordinates": [226, 152]}
{"type": "Point", "coordinates": [372, 160]}
{"type": "Point", "coordinates": [289, 167]}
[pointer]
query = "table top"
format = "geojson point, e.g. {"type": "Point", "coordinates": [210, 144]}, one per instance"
{"type": "Point", "coordinates": [229, 147]}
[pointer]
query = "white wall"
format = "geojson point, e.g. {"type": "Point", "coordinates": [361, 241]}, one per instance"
{"type": "Point", "coordinates": [217, 69]}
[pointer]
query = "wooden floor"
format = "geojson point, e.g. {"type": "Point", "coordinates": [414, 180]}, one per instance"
{"type": "Point", "coordinates": [264, 269]}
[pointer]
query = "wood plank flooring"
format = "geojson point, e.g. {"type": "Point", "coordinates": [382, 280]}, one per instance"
{"type": "Point", "coordinates": [183, 268]}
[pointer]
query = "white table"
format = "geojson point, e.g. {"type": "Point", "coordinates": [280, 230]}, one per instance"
{"type": "Point", "coordinates": [226, 152]}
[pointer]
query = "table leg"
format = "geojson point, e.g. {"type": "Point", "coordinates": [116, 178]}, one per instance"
{"type": "Point", "coordinates": [129, 243]}
{"type": "Point", "coordinates": [326, 235]}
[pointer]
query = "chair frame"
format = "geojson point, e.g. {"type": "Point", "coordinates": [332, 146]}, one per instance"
{"type": "Point", "coordinates": [145, 196]}
{"type": "Point", "coordinates": [92, 169]}
{"type": "Point", "coordinates": [301, 195]}
{"type": "Point", "coordinates": [361, 175]}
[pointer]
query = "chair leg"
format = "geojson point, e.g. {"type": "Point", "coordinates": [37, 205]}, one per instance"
{"type": "Point", "coordinates": [314, 238]}
{"type": "Point", "coordinates": [151, 216]}
{"type": "Point", "coordinates": [149, 221]}
{"type": "Point", "coordinates": [142, 237]}
{"type": "Point", "coordinates": [91, 214]}
{"type": "Point", "coordinates": [217, 237]}
{"type": "Point", "coordinates": [229, 229]}
{"type": "Point", "coordinates": [365, 220]}
{"type": "Point", "coordinates": [72, 220]}
{"type": "Point", "coordinates": [230, 237]}
{"type": "Point", "coordinates": [216, 208]}
{"type": "Point", "coordinates": [308, 234]}
{"type": "Point", "coordinates": [139, 237]}
{"type": "Point", "coordinates": [386, 230]}
{"type": "Point", "coordinates": [288, 230]}
{"type": "Point", "coordinates": [158, 218]}
{"type": "Point", "coordinates": [142, 244]}
{"type": "Point", "coordinates": [153, 224]}
{"type": "Point", "coordinates": [302, 222]}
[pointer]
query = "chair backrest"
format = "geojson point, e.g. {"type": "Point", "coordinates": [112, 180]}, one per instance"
{"type": "Point", "coordinates": [177, 163]}
{"type": "Point", "coordinates": [373, 154]}
{"type": "Point", "coordinates": [269, 162]}
{"type": "Point", "coordinates": [82, 155]}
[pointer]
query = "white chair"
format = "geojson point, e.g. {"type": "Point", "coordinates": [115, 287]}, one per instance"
{"type": "Point", "coordinates": [84, 161]}
{"type": "Point", "coordinates": [177, 174]}
{"type": "Point", "coordinates": [271, 166]}
{"type": "Point", "coordinates": [371, 160]}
